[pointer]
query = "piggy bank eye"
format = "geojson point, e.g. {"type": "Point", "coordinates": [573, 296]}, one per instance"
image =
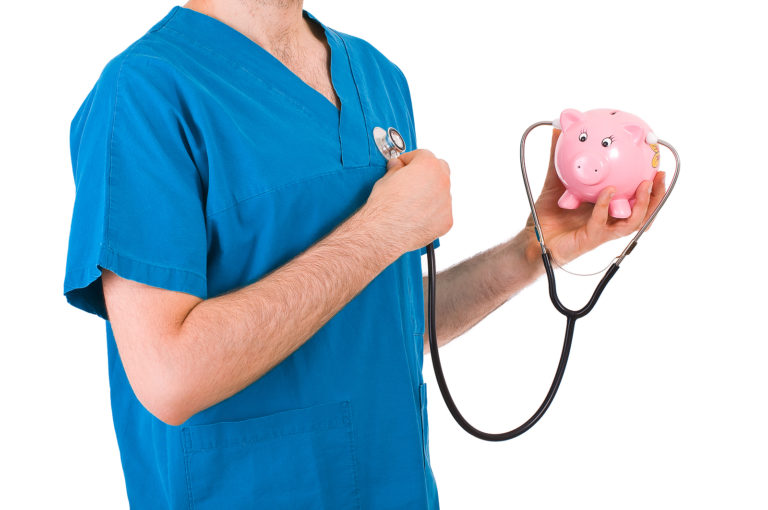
{"type": "Point", "coordinates": [607, 141]}
{"type": "Point", "coordinates": [583, 136]}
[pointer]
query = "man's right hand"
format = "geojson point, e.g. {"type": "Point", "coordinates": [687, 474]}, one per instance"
{"type": "Point", "coordinates": [183, 354]}
{"type": "Point", "coordinates": [412, 201]}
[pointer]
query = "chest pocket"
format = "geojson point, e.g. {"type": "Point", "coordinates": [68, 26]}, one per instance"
{"type": "Point", "coordinates": [302, 458]}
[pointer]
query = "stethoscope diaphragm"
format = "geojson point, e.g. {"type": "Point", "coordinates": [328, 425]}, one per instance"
{"type": "Point", "coordinates": [389, 142]}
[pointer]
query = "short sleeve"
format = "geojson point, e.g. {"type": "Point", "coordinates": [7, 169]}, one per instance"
{"type": "Point", "coordinates": [139, 201]}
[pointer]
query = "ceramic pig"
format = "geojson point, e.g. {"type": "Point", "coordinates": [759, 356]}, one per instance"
{"type": "Point", "coordinates": [601, 148]}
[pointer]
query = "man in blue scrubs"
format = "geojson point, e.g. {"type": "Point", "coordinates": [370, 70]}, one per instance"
{"type": "Point", "coordinates": [258, 262]}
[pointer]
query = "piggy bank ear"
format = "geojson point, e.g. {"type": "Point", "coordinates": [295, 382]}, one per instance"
{"type": "Point", "coordinates": [636, 132]}
{"type": "Point", "coordinates": [570, 117]}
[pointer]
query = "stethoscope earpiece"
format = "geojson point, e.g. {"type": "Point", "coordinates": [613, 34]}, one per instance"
{"type": "Point", "coordinates": [389, 142]}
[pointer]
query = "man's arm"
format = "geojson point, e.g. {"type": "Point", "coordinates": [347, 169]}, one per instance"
{"type": "Point", "coordinates": [467, 292]}
{"type": "Point", "coordinates": [183, 354]}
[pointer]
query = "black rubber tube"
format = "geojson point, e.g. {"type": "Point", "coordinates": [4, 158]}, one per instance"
{"type": "Point", "coordinates": [571, 317]}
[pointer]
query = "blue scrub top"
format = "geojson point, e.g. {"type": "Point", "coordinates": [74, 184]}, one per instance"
{"type": "Point", "coordinates": [202, 163]}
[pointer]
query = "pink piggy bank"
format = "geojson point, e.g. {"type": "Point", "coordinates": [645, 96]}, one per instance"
{"type": "Point", "coordinates": [602, 148]}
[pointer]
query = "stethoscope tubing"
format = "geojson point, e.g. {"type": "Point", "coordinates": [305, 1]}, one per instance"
{"type": "Point", "coordinates": [571, 315]}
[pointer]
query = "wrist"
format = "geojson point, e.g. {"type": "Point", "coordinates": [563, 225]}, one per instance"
{"type": "Point", "coordinates": [530, 250]}
{"type": "Point", "coordinates": [371, 222]}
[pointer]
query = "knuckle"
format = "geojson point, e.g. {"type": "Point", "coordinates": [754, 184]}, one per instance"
{"type": "Point", "coordinates": [447, 223]}
{"type": "Point", "coordinates": [425, 153]}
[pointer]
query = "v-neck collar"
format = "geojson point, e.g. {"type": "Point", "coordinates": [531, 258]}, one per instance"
{"type": "Point", "coordinates": [215, 35]}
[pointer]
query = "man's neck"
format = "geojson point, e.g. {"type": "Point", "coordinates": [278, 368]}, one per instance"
{"type": "Point", "coordinates": [276, 25]}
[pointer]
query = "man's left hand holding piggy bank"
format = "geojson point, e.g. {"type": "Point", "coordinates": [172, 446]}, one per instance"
{"type": "Point", "coordinates": [571, 233]}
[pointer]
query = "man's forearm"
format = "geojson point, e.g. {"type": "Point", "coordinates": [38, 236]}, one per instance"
{"type": "Point", "coordinates": [469, 291]}
{"type": "Point", "coordinates": [227, 342]}
{"type": "Point", "coordinates": [183, 354]}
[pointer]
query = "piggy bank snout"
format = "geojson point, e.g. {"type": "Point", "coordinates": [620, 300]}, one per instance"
{"type": "Point", "coordinates": [589, 169]}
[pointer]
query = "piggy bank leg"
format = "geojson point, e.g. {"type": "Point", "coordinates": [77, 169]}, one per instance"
{"type": "Point", "coordinates": [619, 208]}
{"type": "Point", "coordinates": [568, 201]}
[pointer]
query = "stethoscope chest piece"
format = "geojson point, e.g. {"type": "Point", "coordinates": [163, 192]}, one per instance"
{"type": "Point", "coordinates": [389, 142]}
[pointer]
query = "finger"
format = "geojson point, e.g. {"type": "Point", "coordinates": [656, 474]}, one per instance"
{"type": "Point", "coordinates": [642, 198]}
{"type": "Point", "coordinates": [394, 164]}
{"type": "Point", "coordinates": [599, 218]}
{"type": "Point", "coordinates": [407, 157]}
{"type": "Point", "coordinates": [659, 189]}
{"type": "Point", "coordinates": [445, 166]}
{"type": "Point", "coordinates": [555, 136]}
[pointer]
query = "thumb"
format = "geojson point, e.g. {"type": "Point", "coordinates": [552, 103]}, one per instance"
{"type": "Point", "coordinates": [395, 164]}
{"type": "Point", "coordinates": [406, 157]}
{"type": "Point", "coordinates": [552, 179]}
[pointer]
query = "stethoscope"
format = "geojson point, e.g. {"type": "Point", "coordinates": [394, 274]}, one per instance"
{"type": "Point", "coordinates": [391, 145]}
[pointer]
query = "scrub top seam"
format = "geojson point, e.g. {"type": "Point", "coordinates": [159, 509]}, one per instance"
{"type": "Point", "coordinates": [408, 111]}
{"type": "Point", "coordinates": [411, 294]}
{"type": "Point", "coordinates": [165, 21]}
{"type": "Point", "coordinates": [150, 263]}
{"type": "Point", "coordinates": [357, 90]}
{"type": "Point", "coordinates": [246, 442]}
{"type": "Point", "coordinates": [294, 182]}
{"type": "Point", "coordinates": [335, 83]}
{"type": "Point", "coordinates": [301, 107]}
{"type": "Point", "coordinates": [108, 184]}
{"type": "Point", "coordinates": [330, 66]}
{"type": "Point", "coordinates": [187, 474]}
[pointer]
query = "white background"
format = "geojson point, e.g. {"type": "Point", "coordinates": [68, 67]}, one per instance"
{"type": "Point", "coordinates": [664, 401]}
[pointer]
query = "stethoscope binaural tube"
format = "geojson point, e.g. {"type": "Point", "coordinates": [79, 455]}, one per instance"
{"type": "Point", "coordinates": [571, 315]}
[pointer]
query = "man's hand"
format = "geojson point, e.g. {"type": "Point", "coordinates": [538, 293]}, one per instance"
{"type": "Point", "coordinates": [469, 291]}
{"type": "Point", "coordinates": [412, 201]}
{"type": "Point", "coordinates": [571, 233]}
{"type": "Point", "coordinates": [183, 354]}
